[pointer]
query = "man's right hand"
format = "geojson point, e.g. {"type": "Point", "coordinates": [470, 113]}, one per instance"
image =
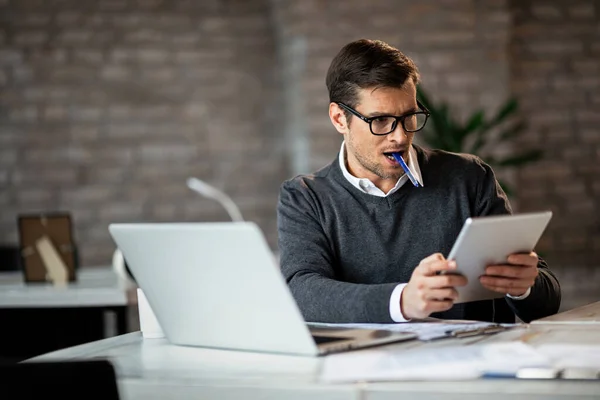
{"type": "Point", "coordinates": [427, 292]}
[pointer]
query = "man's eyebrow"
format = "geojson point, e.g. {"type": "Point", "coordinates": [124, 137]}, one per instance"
{"type": "Point", "coordinates": [383, 114]}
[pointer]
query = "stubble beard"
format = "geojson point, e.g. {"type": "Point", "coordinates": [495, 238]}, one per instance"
{"type": "Point", "coordinates": [371, 165]}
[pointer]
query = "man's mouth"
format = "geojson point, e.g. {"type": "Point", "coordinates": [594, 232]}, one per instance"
{"type": "Point", "coordinates": [389, 154]}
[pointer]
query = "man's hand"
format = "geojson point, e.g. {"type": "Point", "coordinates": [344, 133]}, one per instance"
{"type": "Point", "coordinates": [427, 292]}
{"type": "Point", "coordinates": [514, 278]}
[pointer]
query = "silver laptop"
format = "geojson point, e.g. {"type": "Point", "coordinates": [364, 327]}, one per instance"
{"type": "Point", "coordinates": [218, 285]}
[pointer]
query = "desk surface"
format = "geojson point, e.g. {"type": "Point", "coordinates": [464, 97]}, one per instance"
{"type": "Point", "coordinates": [589, 314]}
{"type": "Point", "coordinates": [155, 369]}
{"type": "Point", "coordinates": [95, 287]}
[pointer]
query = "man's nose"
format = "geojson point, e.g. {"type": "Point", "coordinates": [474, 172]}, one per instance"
{"type": "Point", "coordinates": [398, 135]}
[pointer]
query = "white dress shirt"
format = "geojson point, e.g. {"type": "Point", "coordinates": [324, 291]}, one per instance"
{"type": "Point", "coordinates": [366, 186]}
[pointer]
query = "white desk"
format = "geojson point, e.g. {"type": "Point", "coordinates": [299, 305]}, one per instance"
{"type": "Point", "coordinates": [513, 389]}
{"type": "Point", "coordinates": [154, 369]}
{"type": "Point", "coordinates": [589, 314]}
{"type": "Point", "coordinates": [95, 287]}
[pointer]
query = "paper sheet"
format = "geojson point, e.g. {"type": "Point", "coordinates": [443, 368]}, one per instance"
{"type": "Point", "coordinates": [431, 330]}
{"type": "Point", "coordinates": [571, 355]}
{"type": "Point", "coordinates": [443, 363]}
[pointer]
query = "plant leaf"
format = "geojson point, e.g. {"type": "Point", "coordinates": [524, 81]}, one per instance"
{"type": "Point", "coordinates": [444, 131]}
{"type": "Point", "coordinates": [441, 129]}
{"type": "Point", "coordinates": [509, 108]}
{"type": "Point", "coordinates": [476, 122]}
{"type": "Point", "coordinates": [450, 134]}
{"type": "Point", "coordinates": [520, 159]}
{"type": "Point", "coordinates": [479, 141]}
{"type": "Point", "coordinates": [512, 131]}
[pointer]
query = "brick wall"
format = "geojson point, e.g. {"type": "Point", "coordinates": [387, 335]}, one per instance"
{"type": "Point", "coordinates": [107, 106]}
{"type": "Point", "coordinates": [555, 71]}
{"type": "Point", "coordinates": [459, 47]}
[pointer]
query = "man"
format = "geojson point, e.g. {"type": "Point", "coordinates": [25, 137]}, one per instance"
{"type": "Point", "coordinates": [359, 242]}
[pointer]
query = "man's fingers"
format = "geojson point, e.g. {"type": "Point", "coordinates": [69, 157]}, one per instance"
{"type": "Point", "coordinates": [505, 285]}
{"type": "Point", "coordinates": [431, 258]}
{"type": "Point", "coordinates": [427, 292]}
{"type": "Point", "coordinates": [442, 294]}
{"type": "Point", "coordinates": [424, 308]}
{"type": "Point", "coordinates": [432, 267]}
{"type": "Point", "coordinates": [511, 271]}
{"type": "Point", "coordinates": [530, 259]}
{"type": "Point", "coordinates": [437, 306]}
{"type": "Point", "coordinates": [445, 281]}
{"type": "Point", "coordinates": [505, 290]}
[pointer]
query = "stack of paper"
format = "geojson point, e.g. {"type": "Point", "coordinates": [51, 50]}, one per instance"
{"type": "Point", "coordinates": [430, 330]}
{"type": "Point", "coordinates": [443, 363]}
{"type": "Point", "coordinates": [571, 355]}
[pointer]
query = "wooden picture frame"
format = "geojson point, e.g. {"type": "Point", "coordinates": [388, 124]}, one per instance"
{"type": "Point", "coordinates": [57, 229]}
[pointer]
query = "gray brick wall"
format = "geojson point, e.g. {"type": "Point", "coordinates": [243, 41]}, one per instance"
{"type": "Point", "coordinates": [459, 46]}
{"type": "Point", "coordinates": [107, 106]}
{"type": "Point", "coordinates": [555, 71]}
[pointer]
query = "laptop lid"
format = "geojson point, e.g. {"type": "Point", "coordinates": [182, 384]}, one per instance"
{"type": "Point", "coordinates": [214, 285]}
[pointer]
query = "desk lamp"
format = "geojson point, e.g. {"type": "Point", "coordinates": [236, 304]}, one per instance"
{"type": "Point", "coordinates": [199, 187]}
{"type": "Point", "coordinates": [212, 192]}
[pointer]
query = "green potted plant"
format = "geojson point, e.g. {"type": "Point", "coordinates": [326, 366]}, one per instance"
{"type": "Point", "coordinates": [478, 134]}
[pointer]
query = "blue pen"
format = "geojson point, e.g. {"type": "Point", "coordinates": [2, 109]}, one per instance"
{"type": "Point", "coordinates": [400, 160]}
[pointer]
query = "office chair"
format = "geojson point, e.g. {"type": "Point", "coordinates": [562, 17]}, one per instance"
{"type": "Point", "coordinates": [89, 379]}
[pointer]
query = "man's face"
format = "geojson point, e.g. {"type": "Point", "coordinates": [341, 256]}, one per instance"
{"type": "Point", "coordinates": [365, 151]}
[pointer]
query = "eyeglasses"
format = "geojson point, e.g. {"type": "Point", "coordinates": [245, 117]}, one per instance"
{"type": "Point", "coordinates": [381, 125]}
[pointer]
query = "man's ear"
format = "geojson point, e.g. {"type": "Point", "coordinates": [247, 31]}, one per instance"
{"type": "Point", "coordinates": [338, 118]}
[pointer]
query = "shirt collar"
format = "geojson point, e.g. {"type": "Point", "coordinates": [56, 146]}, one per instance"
{"type": "Point", "coordinates": [363, 183]}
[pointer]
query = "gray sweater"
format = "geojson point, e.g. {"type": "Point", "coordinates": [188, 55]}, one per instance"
{"type": "Point", "coordinates": [344, 251]}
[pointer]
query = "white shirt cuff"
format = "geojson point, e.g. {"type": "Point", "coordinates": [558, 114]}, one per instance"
{"type": "Point", "coordinates": [521, 297]}
{"type": "Point", "coordinates": [395, 309]}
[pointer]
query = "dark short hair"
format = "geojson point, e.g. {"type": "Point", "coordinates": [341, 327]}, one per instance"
{"type": "Point", "coordinates": [364, 64]}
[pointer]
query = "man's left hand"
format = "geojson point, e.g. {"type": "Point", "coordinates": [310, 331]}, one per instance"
{"type": "Point", "coordinates": [513, 278]}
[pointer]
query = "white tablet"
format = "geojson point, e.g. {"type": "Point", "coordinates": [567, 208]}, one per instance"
{"type": "Point", "coordinates": [488, 240]}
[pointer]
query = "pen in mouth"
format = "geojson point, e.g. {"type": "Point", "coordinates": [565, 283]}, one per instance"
{"type": "Point", "coordinates": [400, 160]}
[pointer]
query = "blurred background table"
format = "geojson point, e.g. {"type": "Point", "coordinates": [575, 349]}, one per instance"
{"type": "Point", "coordinates": [38, 318]}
